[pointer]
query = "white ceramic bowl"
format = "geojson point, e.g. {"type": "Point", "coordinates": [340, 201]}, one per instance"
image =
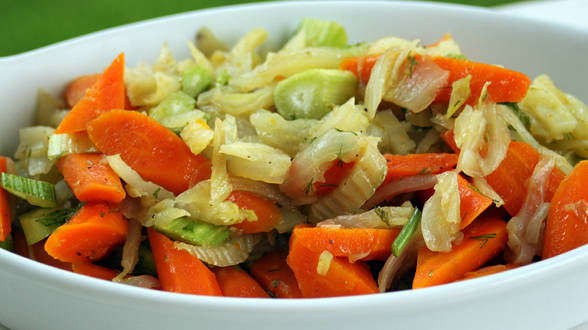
{"type": "Point", "coordinates": [551, 294]}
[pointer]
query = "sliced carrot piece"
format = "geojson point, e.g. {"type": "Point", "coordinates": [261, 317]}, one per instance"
{"type": "Point", "coordinates": [178, 270]}
{"type": "Point", "coordinates": [94, 231]}
{"type": "Point", "coordinates": [235, 282]}
{"type": "Point", "coordinates": [268, 214]}
{"type": "Point", "coordinates": [5, 219]}
{"type": "Point", "coordinates": [401, 166]}
{"type": "Point", "coordinates": [90, 178]}
{"type": "Point", "coordinates": [107, 93]}
{"type": "Point", "coordinates": [483, 240]}
{"type": "Point", "coordinates": [488, 270]}
{"type": "Point", "coordinates": [449, 138]}
{"type": "Point", "coordinates": [155, 152]}
{"type": "Point", "coordinates": [273, 273]}
{"type": "Point", "coordinates": [92, 270]}
{"type": "Point", "coordinates": [336, 173]}
{"type": "Point", "coordinates": [472, 202]}
{"type": "Point", "coordinates": [78, 87]}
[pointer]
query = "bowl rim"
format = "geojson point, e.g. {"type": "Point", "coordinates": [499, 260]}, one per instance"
{"type": "Point", "coordinates": [465, 290]}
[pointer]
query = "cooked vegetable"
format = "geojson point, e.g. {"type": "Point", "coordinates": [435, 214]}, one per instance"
{"type": "Point", "coordinates": [175, 104]}
{"type": "Point", "coordinates": [230, 253]}
{"type": "Point", "coordinates": [135, 185]}
{"type": "Point", "coordinates": [266, 212]}
{"type": "Point", "coordinates": [256, 161]}
{"type": "Point", "coordinates": [32, 149]}
{"type": "Point", "coordinates": [319, 33]}
{"type": "Point", "coordinates": [235, 282]}
{"type": "Point", "coordinates": [488, 270]}
{"type": "Point", "coordinates": [197, 136]}
{"type": "Point", "coordinates": [401, 166]}
{"type": "Point", "coordinates": [5, 217]}
{"type": "Point", "coordinates": [471, 202]}
{"type": "Point", "coordinates": [193, 231]}
{"type": "Point", "coordinates": [196, 80]}
{"type": "Point", "coordinates": [40, 223]}
{"type": "Point", "coordinates": [274, 275]}
{"type": "Point", "coordinates": [64, 144]}
{"type": "Point", "coordinates": [78, 87]}
{"type": "Point", "coordinates": [39, 193]}
{"type": "Point", "coordinates": [406, 233]}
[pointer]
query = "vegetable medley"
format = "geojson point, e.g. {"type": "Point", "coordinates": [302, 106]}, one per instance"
{"type": "Point", "coordinates": [320, 169]}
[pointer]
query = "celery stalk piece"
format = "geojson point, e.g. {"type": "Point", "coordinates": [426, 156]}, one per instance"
{"type": "Point", "coordinates": [195, 80]}
{"type": "Point", "coordinates": [322, 33]}
{"type": "Point", "coordinates": [8, 243]}
{"type": "Point", "coordinates": [194, 232]}
{"type": "Point", "coordinates": [174, 104]}
{"type": "Point", "coordinates": [40, 223]}
{"type": "Point", "coordinates": [39, 193]}
{"type": "Point", "coordinates": [313, 93]}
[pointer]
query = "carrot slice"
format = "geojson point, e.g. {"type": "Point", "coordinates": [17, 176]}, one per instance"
{"type": "Point", "coordinates": [449, 138]}
{"type": "Point", "coordinates": [334, 175]}
{"type": "Point", "coordinates": [155, 152]}
{"type": "Point", "coordinates": [488, 270]}
{"type": "Point", "coordinates": [268, 214]}
{"type": "Point", "coordinates": [353, 243]}
{"type": "Point", "coordinates": [341, 279]}
{"type": "Point", "coordinates": [483, 240]}
{"type": "Point", "coordinates": [78, 87]}
{"type": "Point", "coordinates": [273, 273]}
{"type": "Point", "coordinates": [567, 221]}
{"type": "Point", "coordinates": [90, 178]}
{"type": "Point", "coordinates": [472, 202]}
{"type": "Point", "coordinates": [234, 282]}
{"type": "Point", "coordinates": [90, 269]}
{"type": "Point", "coordinates": [107, 93]}
{"type": "Point", "coordinates": [91, 234]}
{"type": "Point", "coordinates": [39, 254]}
{"type": "Point", "coordinates": [5, 220]}
{"type": "Point", "coordinates": [401, 166]}
{"type": "Point", "coordinates": [505, 85]}
{"type": "Point", "coordinates": [178, 270]}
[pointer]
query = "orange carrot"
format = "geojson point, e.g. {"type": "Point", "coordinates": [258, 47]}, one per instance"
{"type": "Point", "coordinates": [235, 282]}
{"type": "Point", "coordinates": [446, 37]}
{"type": "Point", "coordinates": [268, 214]}
{"type": "Point", "coordinates": [107, 93]}
{"type": "Point", "coordinates": [336, 173]}
{"type": "Point", "coordinates": [155, 152]}
{"type": "Point", "coordinates": [39, 254]}
{"type": "Point", "coordinates": [401, 166]}
{"type": "Point", "coordinates": [483, 240]}
{"type": "Point", "coordinates": [508, 180]}
{"type": "Point", "coordinates": [472, 202]}
{"type": "Point", "coordinates": [90, 269]}
{"type": "Point", "coordinates": [505, 85]}
{"type": "Point", "coordinates": [178, 270]}
{"type": "Point", "coordinates": [5, 220]}
{"type": "Point", "coordinates": [78, 87]}
{"type": "Point", "coordinates": [91, 234]}
{"type": "Point", "coordinates": [567, 221]}
{"type": "Point", "coordinates": [341, 279]}
{"type": "Point", "coordinates": [273, 273]}
{"type": "Point", "coordinates": [352, 243]}
{"type": "Point", "coordinates": [449, 138]}
{"type": "Point", "coordinates": [90, 178]}
{"type": "Point", "coordinates": [488, 270]}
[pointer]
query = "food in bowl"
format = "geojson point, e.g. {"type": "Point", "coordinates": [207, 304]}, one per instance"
{"type": "Point", "coordinates": [320, 169]}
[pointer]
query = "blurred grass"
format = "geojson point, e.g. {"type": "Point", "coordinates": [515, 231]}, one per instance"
{"type": "Point", "coordinates": [30, 24]}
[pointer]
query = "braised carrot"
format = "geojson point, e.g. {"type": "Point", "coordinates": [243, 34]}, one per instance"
{"type": "Point", "coordinates": [488, 270]}
{"type": "Point", "coordinates": [401, 166]}
{"type": "Point", "coordinates": [94, 231]}
{"type": "Point", "coordinates": [90, 178]}
{"type": "Point", "coordinates": [90, 269]}
{"type": "Point", "coordinates": [39, 254]}
{"type": "Point", "coordinates": [483, 240]}
{"type": "Point", "coordinates": [107, 93]}
{"type": "Point", "coordinates": [235, 282]}
{"type": "Point", "coordinates": [352, 243]}
{"type": "Point", "coordinates": [567, 221]}
{"type": "Point", "coordinates": [449, 138]}
{"type": "Point", "coordinates": [342, 278]}
{"type": "Point", "coordinates": [508, 180]}
{"type": "Point", "coordinates": [268, 214]}
{"type": "Point", "coordinates": [334, 175]}
{"type": "Point", "coordinates": [274, 275]}
{"type": "Point", "coordinates": [178, 270]}
{"type": "Point", "coordinates": [505, 85]}
{"type": "Point", "coordinates": [446, 37]}
{"type": "Point", "coordinates": [78, 87]}
{"type": "Point", "coordinates": [472, 202]}
{"type": "Point", "coordinates": [155, 152]}
{"type": "Point", "coordinates": [5, 219]}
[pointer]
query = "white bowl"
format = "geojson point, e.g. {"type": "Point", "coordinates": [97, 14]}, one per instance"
{"type": "Point", "coordinates": [551, 294]}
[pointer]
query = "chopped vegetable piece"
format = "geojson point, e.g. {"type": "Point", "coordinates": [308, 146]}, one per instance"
{"type": "Point", "coordinates": [268, 214]}
{"type": "Point", "coordinates": [65, 144]}
{"type": "Point", "coordinates": [483, 240]}
{"type": "Point", "coordinates": [5, 219]}
{"type": "Point", "coordinates": [567, 221]}
{"type": "Point", "coordinates": [39, 193]}
{"type": "Point", "coordinates": [174, 104]}
{"type": "Point", "coordinates": [322, 33]}
{"type": "Point", "coordinates": [90, 178]}
{"type": "Point", "coordinates": [40, 223]}
{"type": "Point", "coordinates": [178, 270]}
{"type": "Point", "coordinates": [313, 93]}
{"type": "Point", "coordinates": [94, 231]}
{"type": "Point", "coordinates": [472, 201]}
{"type": "Point", "coordinates": [78, 87]}
{"type": "Point", "coordinates": [273, 273]}
{"type": "Point", "coordinates": [157, 154]}
{"type": "Point", "coordinates": [90, 269]}
{"type": "Point", "coordinates": [407, 232]}
{"type": "Point", "coordinates": [235, 282]}
{"type": "Point", "coordinates": [336, 173]}
{"type": "Point", "coordinates": [488, 270]}
{"type": "Point", "coordinates": [195, 80]}
{"type": "Point", "coordinates": [401, 166]}
{"type": "Point", "coordinates": [194, 232]}
{"type": "Point", "coordinates": [106, 94]}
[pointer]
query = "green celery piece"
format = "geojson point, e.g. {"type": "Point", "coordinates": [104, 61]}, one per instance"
{"type": "Point", "coordinates": [195, 80]}
{"type": "Point", "coordinates": [174, 104]}
{"type": "Point", "coordinates": [41, 222]}
{"type": "Point", "coordinates": [8, 243]}
{"type": "Point", "coordinates": [406, 233]}
{"type": "Point", "coordinates": [322, 33]}
{"type": "Point", "coordinates": [39, 193]}
{"type": "Point", "coordinates": [313, 93]}
{"type": "Point", "coordinates": [194, 232]}
{"type": "Point", "coordinates": [222, 79]}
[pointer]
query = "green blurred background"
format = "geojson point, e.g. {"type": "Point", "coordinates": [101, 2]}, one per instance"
{"type": "Point", "coordinates": [30, 24]}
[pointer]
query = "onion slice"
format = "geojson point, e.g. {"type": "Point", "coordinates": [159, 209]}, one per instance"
{"type": "Point", "coordinates": [401, 186]}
